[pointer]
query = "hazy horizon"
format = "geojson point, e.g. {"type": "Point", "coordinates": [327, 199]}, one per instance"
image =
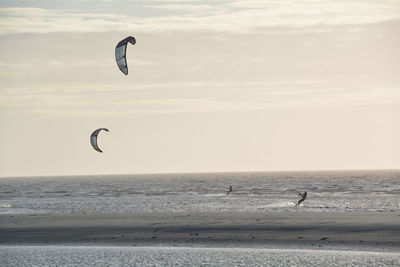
{"type": "Point", "coordinates": [203, 173]}
{"type": "Point", "coordinates": [213, 86]}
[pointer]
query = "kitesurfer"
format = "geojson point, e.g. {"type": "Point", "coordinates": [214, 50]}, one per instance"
{"type": "Point", "coordinates": [230, 190]}
{"type": "Point", "coordinates": [303, 197]}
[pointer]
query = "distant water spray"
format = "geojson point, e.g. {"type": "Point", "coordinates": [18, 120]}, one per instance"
{"type": "Point", "coordinates": [281, 205]}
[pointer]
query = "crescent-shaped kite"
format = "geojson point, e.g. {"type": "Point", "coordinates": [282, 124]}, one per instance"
{"type": "Point", "coordinates": [120, 53]}
{"type": "Point", "coordinates": [93, 139]}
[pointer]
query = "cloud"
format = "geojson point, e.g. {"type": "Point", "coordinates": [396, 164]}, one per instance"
{"type": "Point", "coordinates": [232, 16]}
{"type": "Point", "coordinates": [189, 98]}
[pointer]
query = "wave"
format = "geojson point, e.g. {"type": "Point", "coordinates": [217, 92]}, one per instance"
{"type": "Point", "coordinates": [215, 195]}
{"type": "Point", "coordinates": [5, 205]}
{"type": "Point", "coordinates": [281, 205]}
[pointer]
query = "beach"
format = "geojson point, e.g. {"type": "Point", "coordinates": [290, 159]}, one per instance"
{"type": "Point", "coordinates": [188, 219]}
{"type": "Point", "coordinates": [371, 231]}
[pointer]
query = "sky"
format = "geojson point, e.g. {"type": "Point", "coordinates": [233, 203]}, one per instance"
{"type": "Point", "coordinates": [223, 85]}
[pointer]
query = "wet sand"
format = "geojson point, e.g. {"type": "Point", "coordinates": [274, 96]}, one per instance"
{"type": "Point", "coordinates": [310, 229]}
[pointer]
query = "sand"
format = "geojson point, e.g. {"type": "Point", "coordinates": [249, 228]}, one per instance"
{"type": "Point", "coordinates": [306, 229]}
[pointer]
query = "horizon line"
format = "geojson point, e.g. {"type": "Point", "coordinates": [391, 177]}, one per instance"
{"type": "Point", "coordinates": [205, 172]}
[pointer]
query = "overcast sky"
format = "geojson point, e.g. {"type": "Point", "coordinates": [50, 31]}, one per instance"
{"type": "Point", "coordinates": [223, 85]}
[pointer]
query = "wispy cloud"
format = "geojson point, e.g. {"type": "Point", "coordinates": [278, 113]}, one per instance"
{"type": "Point", "coordinates": [189, 98]}
{"type": "Point", "coordinates": [233, 16]}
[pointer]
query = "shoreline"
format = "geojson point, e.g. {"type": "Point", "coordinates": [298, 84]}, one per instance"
{"type": "Point", "coordinates": [309, 230]}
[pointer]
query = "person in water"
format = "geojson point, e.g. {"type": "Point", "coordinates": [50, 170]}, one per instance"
{"type": "Point", "coordinates": [230, 190]}
{"type": "Point", "coordinates": [303, 197]}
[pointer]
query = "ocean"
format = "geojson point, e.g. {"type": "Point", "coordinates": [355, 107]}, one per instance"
{"type": "Point", "coordinates": [343, 191]}
{"type": "Point", "coordinates": [186, 256]}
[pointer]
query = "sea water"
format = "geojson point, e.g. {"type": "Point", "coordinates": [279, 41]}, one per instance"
{"type": "Point", "coordinates": [187, 256]}
{"type": "Point", "coordinates": [344, 191]}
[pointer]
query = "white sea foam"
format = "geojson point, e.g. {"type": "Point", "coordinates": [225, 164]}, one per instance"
{"type": "Point", "coordinates": [215, 195]}
{"type": "Point", "coordinates": [282, 205]}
